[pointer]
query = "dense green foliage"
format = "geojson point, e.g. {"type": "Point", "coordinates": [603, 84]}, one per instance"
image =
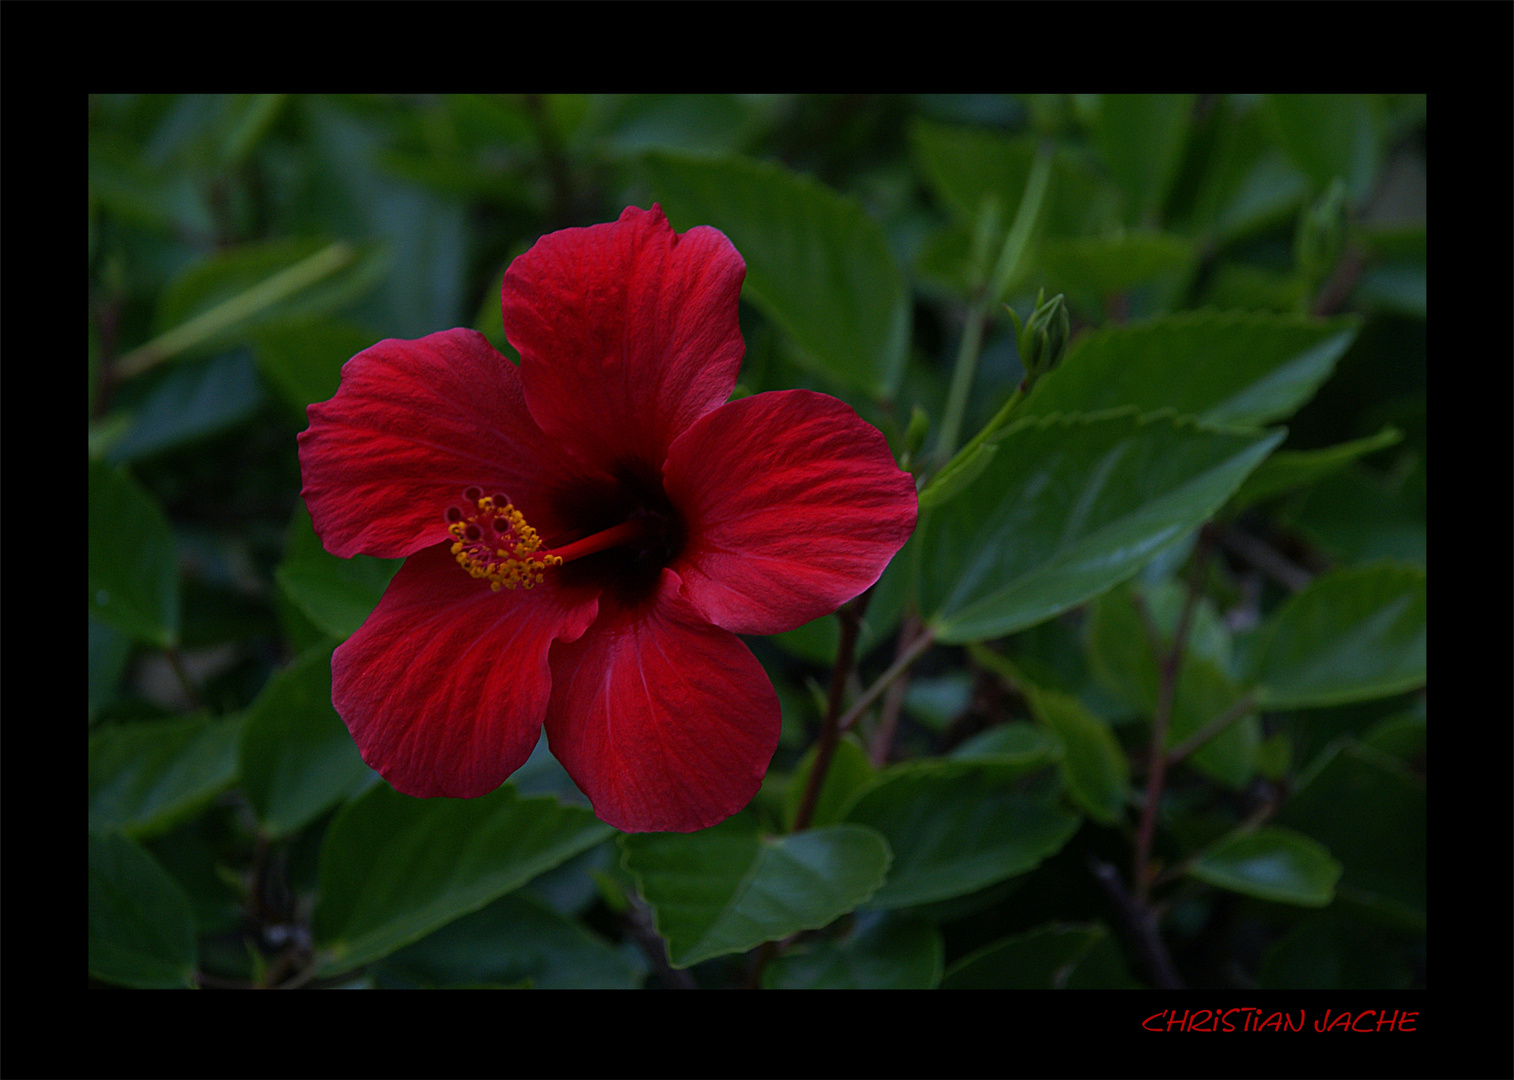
{"type": "Point", "coordinates": [1140, 704]}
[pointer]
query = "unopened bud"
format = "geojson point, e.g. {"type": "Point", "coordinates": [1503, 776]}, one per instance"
{"type": "Point", "coordinates": [1322, 233]}
{"type": "Point", "coordinates": [914, 435]}
{"type": "Point", "coordinates": [1042, 341]}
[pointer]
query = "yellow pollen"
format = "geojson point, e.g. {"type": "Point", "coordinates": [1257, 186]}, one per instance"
{"type": "Point", "coordinates": [495, 543]}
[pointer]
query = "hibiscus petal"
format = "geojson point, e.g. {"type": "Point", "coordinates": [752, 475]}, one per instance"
{"type": "Point", "coordinates": [792, 505]}
{"type": "Point", "coordinates": [444, 688]}
{"type": "Point", "coordinates": [666, 722]}
{"type": "Point", "coordinates": [627, 333]}
{"type": "Point", "coordinates": [414, 424]}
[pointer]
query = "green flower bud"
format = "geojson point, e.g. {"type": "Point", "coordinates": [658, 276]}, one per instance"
{"type": "Point", "coordinates": [1322, 233]}
{"type": "Point", "coordinates": [914, 435]}
{"type": "Point", "coordinates": [1043, 339]}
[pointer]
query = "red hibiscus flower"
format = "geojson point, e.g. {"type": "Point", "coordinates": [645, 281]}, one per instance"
{"type": "Point", "coordinates": [586, 534]}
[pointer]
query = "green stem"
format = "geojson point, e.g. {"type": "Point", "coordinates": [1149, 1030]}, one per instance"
{"type": "Point", "coordinates": [263, 295]}
{"type": "Point", "coordinates": [1025, 221]}
{"type": "Point", "coordinates": [1011, 257]}
{"type": "Point", "coordinates": [962, 380]}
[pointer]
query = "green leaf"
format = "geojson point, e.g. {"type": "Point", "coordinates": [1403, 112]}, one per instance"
{"type": "Point", "coordinates": [817, 265]}
{"type": "Point", "coordinates": [1017, 747]}
{"type": "Point", "coordinates": [1069, 507]}
{"type": "Point", "coordinates": [297, 756]}
{"type": "Point", "coordinates": [147, 776]}
{"type": "Point", "coordinates": [1226, 369]}
{"type": "Point", "coordinates": [966, 166]}
{"type": "Point", "coordinates": [1092, 268]}
{"type": "Point", "coordinates": [1094, 770]}
{"type": "Point", "coordinates": [1332, 952]}
{"type": "Point", "coordinates": [955, 827]}
{"type": "Point", "coordinates": [885, 952]}
{"type": "Point", "coordinates": [141, 927]}
{"type": "Point", "coordinates": [304, 359]}
{"type": "Point", "coordinates": [223, 298]}
{"type": "Point", "coordinates": [513, 940]}
{"type": "Point", "coordinates": [393, 868]}
{"type": "Point", "coordinates": [1371, 811]}
{"type": "Point", "coordinates": [191, 402]}
{"type": "Point", "coordinates": [1204, 692]}
{"type": "Point", "coordinates": [1121, 652]}
{"type": "Point", "coordinates": [133, 565]}
{"type": "Point", "coordinates": [849, 771]}
{"type": "Point", "coordinates": [1351, 635]}
{"type": "Point", "coordinates": [1246, 182]}
{"type": "Point", "coordinates": [1289, 470]}
{"type": "Point", "coordinates": [337, 595]}
{"type": "Point", "coordinates": [728, 889]}
{"type": "Point", "coordinates": [1141, 139]}
{"type": "Point", "coordinates": [1328, 135]}
{"type": "Point", "coordinates": [1050, 958]}
{"type": "Point", "coordinates": [1271, 864]}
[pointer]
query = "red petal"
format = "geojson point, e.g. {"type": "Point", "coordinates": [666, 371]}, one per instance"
{"type": "Point", "coordinates": [666, 722]}
{"type": "Point", "coordinates": [413, 424]}
{"type": "Point", "coordinates": [792, 505]}
{"type": "Point", "coordinates": [445, 686]}
{"type": "Point", "coordinates": [627, 333]}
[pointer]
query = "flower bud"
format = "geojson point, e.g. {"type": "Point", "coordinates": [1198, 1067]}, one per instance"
{"type": "Point", "coordinates": [1042, 341]}
{"type": "Point", "coordinates": [914, 436]}
{"type": "Point", "coordinates": [1322, 233]}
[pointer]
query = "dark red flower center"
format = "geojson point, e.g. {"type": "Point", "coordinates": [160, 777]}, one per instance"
{"type": "Point", "coordinates": [492, 540]}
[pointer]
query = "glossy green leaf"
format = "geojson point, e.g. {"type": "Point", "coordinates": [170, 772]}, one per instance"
{"type": "Point", "coordinates": [1016, 746]}
{"type": "Point", "coordinates": [1224, 368]}
{"type": "Point", "coordinates": [1050, 958]}
{"type": "Point", "coordinates": [1271, 863]}
{"type": "Point", "coordinates": [133, 564]}
{"type": "Point", "coordinates": [817, 265]}
{"type": "Point", "coordinates": [516, 939]}
{"type": "Point", "coordinates": [728, 889]}
{"type": "Point", "coordinates": [393, 868]}
{"type": "Point", "coordinates": [141, 927]}
{"type": "Point", "coordinates": [1353, 634]}
{"type": "Point", "coordinates": [955, 827]}
{"type": "Point", "coordinates": [144, 777]}
{"type": "Point", "coordinates": [884, 952]}
{"type": "Point", "coordinates": [1094, 770]}
{"type": "Point", "coordinates": [297, 757]}
{"type": "Point", "coordinates": [1069, 507]}
{"type": "Point", "coordinates": [337, 595]}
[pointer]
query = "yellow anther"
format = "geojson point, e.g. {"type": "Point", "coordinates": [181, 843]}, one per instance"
{"type": "Point", "coordinates": [495, 543]}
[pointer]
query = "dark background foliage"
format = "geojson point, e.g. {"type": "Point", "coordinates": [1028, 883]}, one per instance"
{"type": "Point", "coordinates": [242, 247]}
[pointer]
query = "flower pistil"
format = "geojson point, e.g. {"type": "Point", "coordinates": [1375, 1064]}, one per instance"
{"type": "Point", "coordinates": [492, 540]}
